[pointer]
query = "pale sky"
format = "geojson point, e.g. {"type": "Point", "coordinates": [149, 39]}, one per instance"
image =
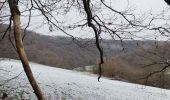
{"type": "Point", "coordinates": [144, 5]}
{"type": "Point", "coordinates": [140, 6]}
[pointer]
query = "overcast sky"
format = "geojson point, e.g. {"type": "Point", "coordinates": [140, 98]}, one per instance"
{"type": "Point", "coordinates": [144, 5]}
{"type": "Point", "coordinates": [140, 6]}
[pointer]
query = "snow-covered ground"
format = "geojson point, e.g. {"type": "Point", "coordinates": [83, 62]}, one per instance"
{"type": "Point", "coordinates": [61, 84]}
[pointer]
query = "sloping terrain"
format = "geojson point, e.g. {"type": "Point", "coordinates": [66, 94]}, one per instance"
{"type": "Point", "coordinates": [61, 84]}
{"type": "Point", "coordinates": [65, 52]}
{"type": "Point", "coordinates": [68, 53]}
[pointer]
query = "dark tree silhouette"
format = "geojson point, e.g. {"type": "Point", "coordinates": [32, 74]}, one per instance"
{"type": "Point", "coordinates": [167, 1]}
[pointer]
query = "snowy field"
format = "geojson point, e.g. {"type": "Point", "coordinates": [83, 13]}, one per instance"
{"type": "Point", "coordinates": [61, 84]}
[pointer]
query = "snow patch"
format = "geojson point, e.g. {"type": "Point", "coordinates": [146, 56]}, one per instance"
{"type": "Point", "coordinates": [61, 84]}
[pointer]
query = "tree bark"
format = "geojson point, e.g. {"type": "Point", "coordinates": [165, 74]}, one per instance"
{"type": "Point", "coordinates": [15, 14]}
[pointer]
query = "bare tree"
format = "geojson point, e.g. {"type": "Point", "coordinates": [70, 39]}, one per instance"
{"type": "Point", "coordinates": [15, 17]}
{"type": "Point", "coordinates": [94, 14]}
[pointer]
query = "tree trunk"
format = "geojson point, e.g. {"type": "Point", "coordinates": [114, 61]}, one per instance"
{"type": "Point", "coordinates": [15, 14]}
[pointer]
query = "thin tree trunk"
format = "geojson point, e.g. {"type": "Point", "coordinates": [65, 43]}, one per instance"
{"type": "Point", "coordinates": [20, 48]}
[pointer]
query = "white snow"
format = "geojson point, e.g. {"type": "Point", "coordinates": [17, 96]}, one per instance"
{"type": "Point", "coordinates": [61, 84]}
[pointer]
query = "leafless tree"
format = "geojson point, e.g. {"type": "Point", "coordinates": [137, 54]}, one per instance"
{"type": "Point", "coordinates": [15, 18]}
{"type": "Point", "coordinates": [99, 15]}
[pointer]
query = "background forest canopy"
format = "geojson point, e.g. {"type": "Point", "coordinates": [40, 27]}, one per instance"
{"type": "Point", "coordinates": [143, 36]}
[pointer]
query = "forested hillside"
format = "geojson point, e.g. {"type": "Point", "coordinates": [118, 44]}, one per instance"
{"type": "Point", "coordinates": [69, 52]}
{"type": "Point", "coordinates": [66, 52]}
{"type": "Point", "coordinates": [123, 60]}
